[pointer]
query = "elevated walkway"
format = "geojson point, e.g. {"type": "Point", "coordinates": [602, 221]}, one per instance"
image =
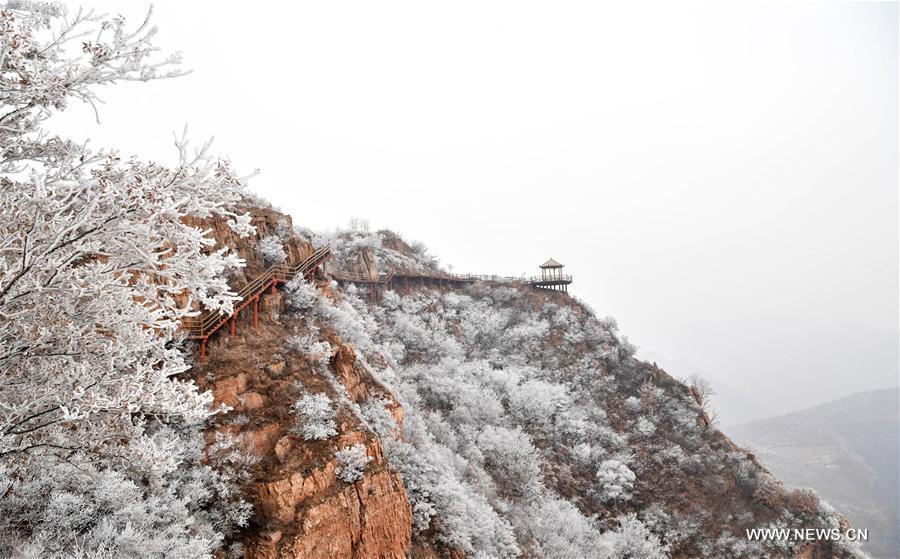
{"type": "Point", "coordinates": [201, 327]}
{"type": "Point", "coordinates": [405, 278]}
{"type": "Point", "coordinates": [206, 324]}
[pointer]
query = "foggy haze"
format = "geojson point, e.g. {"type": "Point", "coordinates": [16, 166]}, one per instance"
{"type": "Point", "coordinates": [722, 179]}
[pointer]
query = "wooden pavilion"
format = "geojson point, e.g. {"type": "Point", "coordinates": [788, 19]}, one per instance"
{"type": "Point", "coordinates": [552, 277]}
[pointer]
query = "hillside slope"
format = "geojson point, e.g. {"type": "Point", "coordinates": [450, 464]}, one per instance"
{"type": "Point", "coordinates": [490, 420]}
{"type": "Point", "coordinates": [847, 450]}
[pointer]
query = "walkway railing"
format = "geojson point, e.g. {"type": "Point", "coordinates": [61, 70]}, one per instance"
{"type": "Point", "coordinates": [202, 326]}
{"type": "Point", "coordinates": [533, 280]}
{"type": "Point", "coordinates": [385, 278]}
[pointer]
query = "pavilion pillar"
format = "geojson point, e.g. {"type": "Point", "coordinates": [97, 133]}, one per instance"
{"type": "Point", "coordinates": [231, 328]}
{"type": "Point", "coordinates": [256, 313]}
{"type": "Point", "coordinates": [202, 349]}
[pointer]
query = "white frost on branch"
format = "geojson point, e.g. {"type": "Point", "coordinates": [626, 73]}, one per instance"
{"type": "Point", "coordinates": [616, 481]}
{"type": "Point", "coordinates": [299, 295]}
{"type": "Point", "coordinates": [98, 264]}
{"type": "Point", "coordinates": [315, 414]}
{"type": "Point", "coordinates": [352, 462]}
{"type": "Point", "coordinates": [272, 250]}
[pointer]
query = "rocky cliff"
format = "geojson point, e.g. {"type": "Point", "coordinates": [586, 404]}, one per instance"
{"type": "Point", "coordinates": [301, 508]}
{"type": "Point", "coordinates": [497, 421]}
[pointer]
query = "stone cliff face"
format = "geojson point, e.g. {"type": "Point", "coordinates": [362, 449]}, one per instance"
{"type": "Point", "coordinates": [267, 222]}
{"type": "Point", "coordinates": [301, 508]}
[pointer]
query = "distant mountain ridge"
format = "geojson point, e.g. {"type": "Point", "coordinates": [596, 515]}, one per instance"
{"type": "Point", "coordinates": [847, 450]}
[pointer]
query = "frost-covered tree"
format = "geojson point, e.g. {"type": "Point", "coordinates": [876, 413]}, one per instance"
{"type": "Point", "coordinates": [272, 250]}
{"type": "Point", "coordinates": [645, 426]}
{"type": "Point", "coordinates": [632, 540]}
{"type": "Point", "coordinates": [560, 530]}
{"type": "Point", "coordinates": [101, 453]}
{"type": "Point", "coordinates": [309, 346]}
{"type": "Point", "coordinates": [315, 414]}
{"type": "Point", "coordinates": [702, 392]}
{"type": "Point", "coordinates": [632, 404]}
{"type": "Point", "coordinates": [379, 418]}
{"type": "Point", "coordinates": [299, 294]}
{"type": "Point", "coordinates": [98, 261]}
{"type": "Point", "coordinates": [510, 456]}
{"type": "Point", "coordinates": [352, 461]}
{"type": "Point", "coordinates": [358, 224]}
{"type": "Point", "coordinates": [535, 403]}
{"type": "Point", "coordinates": [66, 511]}
{"type": "Point", "coordinates": [616, 480]}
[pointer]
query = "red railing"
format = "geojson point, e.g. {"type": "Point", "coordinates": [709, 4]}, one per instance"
{"type": "Point", "coordinates": [201, 327]}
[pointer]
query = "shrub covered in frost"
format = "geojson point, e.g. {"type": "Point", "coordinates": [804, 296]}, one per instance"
{"type": "Point", "coordinates": [271, 250]}
{"type": "Point", "coordinates": [632, 540]}
{"type": "Point", "coordinates": [299, 295]}
{"type": "Point", "coordinates": [510, 456]}
{"type": "Point", "coordinates": [645, 426]}
{"type": "Point", "coordinates": [632, 404]}
{"type": "Point", "coordinates": [560, 530]}
{"type": "Point", "coordinates": [310, 347]}
{"type": "Point", "coordinates": [315, 414]}
{"type": "Point", "coordinates": [379, 418]}
{"type": "Point", "coordinates": [769, 490]}
{"type": "Point", "coordinates": [85, 511]}
{"type": "Point", "coordinates": [616, 481]}
{"type": "Point", "coordinates": [536, 403]}
{"type": "Point", "coordinates": [352, 461]}
{"type": "Point", "coordinates": [803, 500]}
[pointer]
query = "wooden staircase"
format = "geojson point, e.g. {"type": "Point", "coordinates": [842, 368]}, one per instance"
{"type": "Point", "coordinates": [206, 324]}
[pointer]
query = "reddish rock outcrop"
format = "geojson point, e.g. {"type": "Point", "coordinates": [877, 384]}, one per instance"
{"type": "Point", "coordinates": [334, 519]}
{"type": "Point", "coordinates": [267, 222]}
{"type": "Point", "coordinates": [301, 508]}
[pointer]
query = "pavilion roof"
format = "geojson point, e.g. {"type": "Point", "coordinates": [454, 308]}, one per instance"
{"type": "Point", "coordinates": [551, 264]}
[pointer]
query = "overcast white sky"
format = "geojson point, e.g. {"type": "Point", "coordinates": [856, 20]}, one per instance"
{"type": "Point", "coordinates": [722, 178]}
